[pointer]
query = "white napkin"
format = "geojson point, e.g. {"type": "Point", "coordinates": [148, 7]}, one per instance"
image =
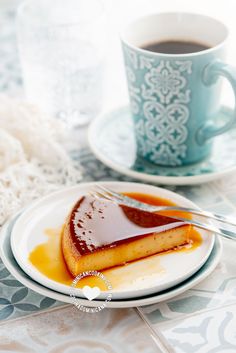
{"type": "Point", "coordinates": [32, 159]}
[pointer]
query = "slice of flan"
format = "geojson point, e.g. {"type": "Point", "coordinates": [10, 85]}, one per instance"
{"type": "Point", "coordinates": [99, 235]}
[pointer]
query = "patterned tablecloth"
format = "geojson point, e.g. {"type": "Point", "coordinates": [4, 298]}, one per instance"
{"type": "Point", "coordinates": [201, 320]}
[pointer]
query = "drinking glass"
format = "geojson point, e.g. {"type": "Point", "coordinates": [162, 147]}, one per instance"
{"type": "Point", "coordinates": [62, 50]}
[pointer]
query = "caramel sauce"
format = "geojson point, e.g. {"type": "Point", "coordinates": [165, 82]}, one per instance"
{"type": "Point", "coordinates": [48, 257]}
{"type": "Point", "coordinates": [93, 221]}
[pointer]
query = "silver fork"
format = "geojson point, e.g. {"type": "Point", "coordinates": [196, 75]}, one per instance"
{"type": "Point", "coordinates": [221, 224]}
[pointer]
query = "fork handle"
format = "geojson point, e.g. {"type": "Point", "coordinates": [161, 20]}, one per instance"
{"type": "Point", "coordinates": [207, 214]}
{"type": "Point", "coordinates": [225, 233]}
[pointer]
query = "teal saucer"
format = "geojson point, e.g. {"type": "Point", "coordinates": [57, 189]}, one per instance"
{"type": "Point", "coordinates": [112, 140]}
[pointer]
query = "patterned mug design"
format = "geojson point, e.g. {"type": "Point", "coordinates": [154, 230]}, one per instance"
{"type": "Point", "coordinates": [163, 98]}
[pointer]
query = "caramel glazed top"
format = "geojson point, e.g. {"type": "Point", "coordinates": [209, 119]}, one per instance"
{"type": "Point", "coordinates": [97, 224]}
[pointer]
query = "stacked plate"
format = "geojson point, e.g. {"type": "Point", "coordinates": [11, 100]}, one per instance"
{"type": "Point", "coordinates": [144, 282]}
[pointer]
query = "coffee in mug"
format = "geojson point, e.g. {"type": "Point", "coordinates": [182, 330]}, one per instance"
{"type": "Point", "coordinates": [175, 47]}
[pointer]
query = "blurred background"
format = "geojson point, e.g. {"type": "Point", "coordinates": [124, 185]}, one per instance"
{"type": "Point", "coordinates": [118, 12]}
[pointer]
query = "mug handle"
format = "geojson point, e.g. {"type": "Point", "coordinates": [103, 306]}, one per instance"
{"type": "Point", "coordinates": [210, 75]}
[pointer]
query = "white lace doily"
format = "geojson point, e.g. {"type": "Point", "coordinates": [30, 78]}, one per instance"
{"type": "Point", "coordinates": [32, 160]}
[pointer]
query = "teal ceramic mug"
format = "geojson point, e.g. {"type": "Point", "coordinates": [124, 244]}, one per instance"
{"type": "Point", "coordinates": [175, 98]}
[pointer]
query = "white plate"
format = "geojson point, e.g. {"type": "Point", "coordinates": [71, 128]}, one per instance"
{"type": "Point", "coordinates": [11, 264]}
{"type": "Point", "coordinates": [51, 211]}
{"type": "Point", "coordinates": [111, 138]}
